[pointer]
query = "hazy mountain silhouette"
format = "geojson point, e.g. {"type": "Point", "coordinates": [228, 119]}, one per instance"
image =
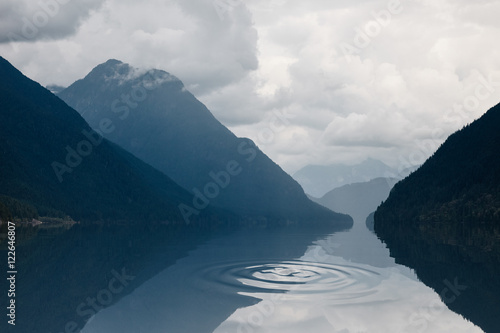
{"type": "Point", "coordinates": [358, 199]}
{"type": "Point", "coordinates": [52, 163]}
{"type": "Point", "coordinates": [153, 116]}
{"type": "Point", "coordinates": [444, 219]}
{"type": "Point", "coordinates": [317, 180]}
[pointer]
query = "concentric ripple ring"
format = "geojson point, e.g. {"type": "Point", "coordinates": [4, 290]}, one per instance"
{"type": "Point", "coordinates": [301, 279]}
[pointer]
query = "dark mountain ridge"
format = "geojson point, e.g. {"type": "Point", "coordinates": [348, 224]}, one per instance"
{"type": "Point", "coordinates": [444, 220]}
{"type": "Point", "coordinates": [53, 162]}
{"type": "Point", "coordinates": [153, 116]}
{"type": "Point", "coordinates": [460, 183]}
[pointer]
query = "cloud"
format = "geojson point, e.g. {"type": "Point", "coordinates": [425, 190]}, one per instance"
{"type": "Point", "coordinates": [185, 38]}
{"type": "Point", "coordinates": [29, 21]}
{"type": "Point", "coordinates": [389, 97]}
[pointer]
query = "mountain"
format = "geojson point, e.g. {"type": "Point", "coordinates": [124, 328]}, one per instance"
{"type": "Point", "coordinates": [444, 219]}
{"type": "Point", "coordinates": [358, 199]}
{"type": "Point", "coordinates": [458, 185]}
{"type": "Point", "coordinates": [153, 116]}
{"type": "Point", "coordinates": [53, 164]}
{"type": "Point", "coordinates": [317, 180]}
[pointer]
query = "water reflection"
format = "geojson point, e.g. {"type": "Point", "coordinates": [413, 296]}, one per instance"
{"type": "Point", "coordinates": [68, 279]}
{"type": "Point", "coordinates": [309, 281]}
{"type": "Point", "coordinates": [163, 279]}
{"type": "Point", "coordinates": [256, 281]}
{"type": "Point", "coordinates": [66, 276]}
{"type": "Point", "coordinates": [462, 264]}
{"type": "Point", "coordinates": [201, 290]}
{"type": "Point", "coordinates": [356, 298]}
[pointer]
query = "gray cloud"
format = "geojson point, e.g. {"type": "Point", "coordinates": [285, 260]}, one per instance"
{"type": "Point", "coordinates": [29, 21]}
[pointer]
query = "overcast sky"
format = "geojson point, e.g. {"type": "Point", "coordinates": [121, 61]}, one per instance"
{"type": "Point", "coordinates": [311, 82]}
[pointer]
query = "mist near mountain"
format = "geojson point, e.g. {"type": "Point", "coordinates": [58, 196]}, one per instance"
{"type": "Point", "coordinates": [317, 180]}
{"type": "Point", "coordinates": [358, 199]}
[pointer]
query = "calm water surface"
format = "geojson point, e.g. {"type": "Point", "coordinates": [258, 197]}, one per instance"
{"type": "Point", "coordinates": [256, 281]}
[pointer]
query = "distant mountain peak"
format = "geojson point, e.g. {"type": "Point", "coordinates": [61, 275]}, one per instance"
{"type": "Point", "coordinates": [317, 180]}
{"type": "Point", "coordinates": [174, 132]}
{"type": "Point", "coordinates": [117, 72]}
{"type": "Point", "coordinates": [113, 62]}
{"type": "Point", "coordinates": [371, 161]}
{"type": "Point", "coordinates": [41, 140]}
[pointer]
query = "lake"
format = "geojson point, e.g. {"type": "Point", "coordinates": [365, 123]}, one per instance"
{"type": "Point", "coordinates": [268, 280]}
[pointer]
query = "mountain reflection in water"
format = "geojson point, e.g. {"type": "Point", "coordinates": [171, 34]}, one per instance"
{"type": "Point", "coordinates": [254, 281]}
